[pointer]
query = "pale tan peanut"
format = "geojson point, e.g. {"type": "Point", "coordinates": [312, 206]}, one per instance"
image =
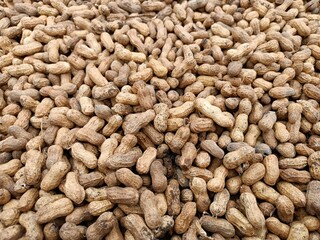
{"type": "Point", "coordinates": [4, 196]}
{"type": "Point", "coordinates": [253, 174]}
{"type": "Point", "coordinates": [28, 200]}
{"type": "Point", "coordinates": [218, 207]}
{"type": "Point", "coordinates": [240, 126]}
{"type": "Point", "coordinates": [236, 218]}
{"type": "Point", "coordinates": [188, 155]}
{"type": "Point", "coordinates": [72, 231]}
{"type": "Point", "coordinates": [101, 227]}
{"type": "Point", "coordinates": [137, 227]}
{"type": "Point", "coordinates": [199, 188]}
{"type": "Point", "coordinates": [12, 232]}
{"type": "Point", "coordinates": [161, 202]}
{"type": "Point", "coordinates": [81, 154]}
{"type": "Point", "coordinates": [79, 215]}
{"type": "Point", "coordinates": [233, 184]}
{"type": "Point", "coordinates": [312, 193]}
{"type": "Point", "coordinates": [252, 210]}
{"type": "Point", "coordinates": [120, 160]}
{"type": "Point", "coordinates": [148, 205]}
{"type": "Point", "coordinates": [33, 229]}
{"type": "Point", "coordinates": [285, 209]}
{"type": "Point", "coordinates": [107, 149]}
{"type": "Point", "coordinates": [126, 144]}
{"type": "Point", "coordinates": [144, 162]}
{"type": "Point", "coordinates": [158, 177]}
{"type": "Point", "coordinates": [217, 183]}
{"type": "Point", "coordinates": [134, 122]}
{"type": "Point", "coordinates": [161, 118]}
{"type": "Point", "coordinates": [298, 231]}
{"type": "Point", "coordinates": [182, 111]}
{"type": "Point", "coordinates": [202, 159]}
{"type": "Point", "coordinates": [267, 121]}
{"type": "Point", "coordinates": [10, 167]}
{"type": "Point", "coordinates": [96, 208]}
{"type": "Point", "coordinates": [46, 199]}
{"type": "Point", "coordinates": [214, 113]}
{"type": "Point", "coordinates": [34, 163]}
{"type": "Point", "coordinates": [59, 208]}
{"type": "Point", "coordinates": [54, 176]}
{"type": "Point", "coordinates": [272, 169]}
{"type": "Point", "coordinates": [278, 228]}
{"type": "Point", "coordinates": [72, 189]}
{"type": "Point", "coordinates": [311, 222]}
{"type": "Point", "coordinates": [293, 175]}
{"type": "Point", "coordinates": [281, 133]}
{"type": "Point", "coordinates": [265, 192]}
{"type": "Point", "coordinates": [217, 225]}
{"type": "Point", "coordinates": [185, 217]}
{"type": "Point", "coordinates": [313, 159]}
{"type": "Point", "coordinates": [9, 216]}
{"type": "Point", "coordinates": [128, 178]}
{"type": "Point", "coordinates": [233, 159]}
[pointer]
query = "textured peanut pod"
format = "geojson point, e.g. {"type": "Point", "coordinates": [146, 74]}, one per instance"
{"type": "Point", "coordinates": [252, 210]}
{"type": "Point", "coordinates": [137, 227]}
{"type": "Point", "coordinates": [185, 217]}
{"type": "Point", "coordinates": [233, 159]}
{"type": "Point", "coordinates": [59, 208]}
{"type": "Point", "coordinates": [236, 218]}
{"type": "Point", "coordinates": [217, 225]}
{"type": "Point", "coordinates": [148, 205]}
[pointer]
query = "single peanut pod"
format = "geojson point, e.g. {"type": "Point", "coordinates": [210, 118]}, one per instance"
{"type": "Point", "coordinates": [253, 174]}
{"type": "Point", "coordinates": [311, 222]}
{"type": "Point", "coordinates": [214, 113]}
{"type": "Point", "coordinates": [211, 147]}
{"type": "Point", "coordinates": [173, 197]}
{"type": "Point", "coordinates": [128, 178]}
{"type": "Point", "coordinates": [272, 169]}
{"type": "Point", "coordinates": [285, 209]}
{"type": "Point", "coordinates": [298, 231]}
{"type": "Point", "coordinates": [101, 227]}
{"type": "Point", "coordinates": [236, 218]}
{"type": "Point", "coordinates": [144, 162]}
{"type": "Point", "coordinates": [96, 208]}
{"type": "Point", "coordinates": [234, 159]}
{"type": "Point", "coordinates": [73, 189]}
{"type": "Point", "coordinates": [253, 213]}
{"type": "Point", "coordinates": [53, 210]}
{"type": "Point", "coordinates": [278, 228]}
{"type": "Point", "coordinates": [80, 153]}
{"type": "Point", "coordinates": [217, 183]}
{"type": "Point", "coordinates": [218, 207]}
{"type": "Point", "coordinates": [68, 231]}
{"type": "Point", "coordinates": [267, 121]}
{"type": "Point", "coordinates": [264, 192]}
{"type": "Point", "coordinates": [292, 192]}
{"type": "Point", "coordinates": [185, 217]}
{"type": "Point", "coordinates": [150, 210]}
{"type": "Point", "coordinates": [33, 229]}
{"type": "Point", "coordinates": [188, 154]}
{"type": "Point", "coordinates": [217, 225]}
{"type": "Point", "coordinates": [199, 188]}
{"type": "Point", "coordinates": [54, 176]}
{"type": "Point", "coordinates": [33, 166]}
{"type": "Point", "coordinates": [137, 227]}
{"type": "Point", "coordinates": [313, 206]}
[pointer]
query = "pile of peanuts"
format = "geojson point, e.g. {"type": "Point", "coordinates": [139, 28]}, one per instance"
{"type": "Point", "coordinates": [149, 119]}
